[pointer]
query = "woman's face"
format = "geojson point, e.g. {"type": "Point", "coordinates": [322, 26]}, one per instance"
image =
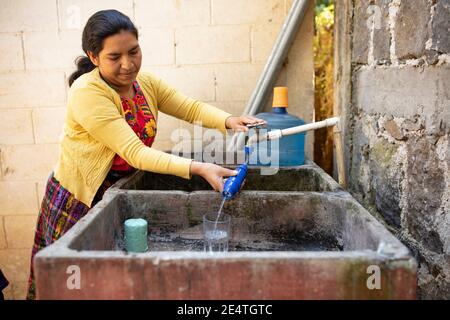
{"type": "Point", "coordinates": [120, 59]}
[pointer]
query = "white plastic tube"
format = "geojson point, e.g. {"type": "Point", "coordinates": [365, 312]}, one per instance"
{"type": "Point", "coordinates": [277, 134]}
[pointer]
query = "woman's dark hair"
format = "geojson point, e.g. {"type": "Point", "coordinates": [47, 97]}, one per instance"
{"type": "Point", "coordinates": [100, 25]}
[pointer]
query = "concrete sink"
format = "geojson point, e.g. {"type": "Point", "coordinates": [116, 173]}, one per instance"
{"type": "Point", "coordinates": [304, 178]}
{"type": "Point", "coordinates": [292, 240]}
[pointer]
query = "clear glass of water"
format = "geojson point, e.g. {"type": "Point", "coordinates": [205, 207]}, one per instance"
{"type": "Point", "coordinates": [216, 232]}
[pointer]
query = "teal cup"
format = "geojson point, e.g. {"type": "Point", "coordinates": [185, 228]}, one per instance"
{"type": "Point", "coordinates": [136, 235]}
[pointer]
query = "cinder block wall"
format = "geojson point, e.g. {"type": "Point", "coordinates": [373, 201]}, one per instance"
{"type": "Point", "coordinates": [398, 126]}
{"type": "Point", "coordinates": [212, 50]}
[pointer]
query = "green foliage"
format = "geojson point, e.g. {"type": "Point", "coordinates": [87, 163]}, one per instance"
{"type": "Point", "coordinates": [323, 56]}
{"type": "Point", "coordinates": [323, 5]}
{"type": "Point", "coordinates": [323, 69]}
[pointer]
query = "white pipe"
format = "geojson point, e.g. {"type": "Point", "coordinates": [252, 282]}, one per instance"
{"type": "Point", "coordinates": [277, 134]}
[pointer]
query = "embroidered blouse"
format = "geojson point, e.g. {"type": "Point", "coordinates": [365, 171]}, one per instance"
{"type": "Point", "coordinates": [141, 120]}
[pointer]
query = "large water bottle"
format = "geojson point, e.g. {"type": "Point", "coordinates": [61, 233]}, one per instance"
{"type": "Point", "coordinates": [291, 149]}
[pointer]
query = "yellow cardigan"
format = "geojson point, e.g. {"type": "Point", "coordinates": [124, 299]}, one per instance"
{"type": "Point", "coordinates": [95, 130]}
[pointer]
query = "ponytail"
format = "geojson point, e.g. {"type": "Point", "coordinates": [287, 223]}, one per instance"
{"type": "Point", "coordinates": [84, 65]}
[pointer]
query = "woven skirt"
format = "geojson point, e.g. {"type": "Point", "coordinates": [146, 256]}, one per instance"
{"type": "Point", "coordinates": [58, 213]}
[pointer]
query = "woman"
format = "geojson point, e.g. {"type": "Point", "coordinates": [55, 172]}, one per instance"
{"type": "Point", "coordinates": [111, 124]}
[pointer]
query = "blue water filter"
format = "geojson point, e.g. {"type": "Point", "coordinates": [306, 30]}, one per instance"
{"type": "Point", "coordinates": [290, 149]}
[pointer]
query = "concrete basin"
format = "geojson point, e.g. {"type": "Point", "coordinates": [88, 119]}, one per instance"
{"type": "Point", "coordinates": [308, 177]}
{"type": "Point", "coordinates": [292, 241]}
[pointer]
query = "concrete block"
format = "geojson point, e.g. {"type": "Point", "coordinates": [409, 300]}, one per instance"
{"type": "Point", "coordinates": [361, 33]}
{"type": "Point", "coordinates": [40, 191]}
{"type": "Point", "coordinates": [236, 108]}
{"type": "Point", "coordinates": [18, 198]}
{"type": "Point", "coordinates": [16, 264]}
{"type": "Point", "coordinates": [440, 27]}
{"type": "Point", "coordinates": [382, 36]}
{"type": "Point", "coordinates": [411, 29]}
{"type": "Point", "coordinates": [367, 17]}
{"type": "Point", "coordinates": [359, 178]}
{"type": "Point", "coordinates": [20, 231]}
{"type": "Point", "coordinates": [219, 44]}
{"type": "Point", "coordinates": [48, 124]}
{"type": "Point", "coordinates": [300, 70]}
{"type": "Point", "coordinates": [3, 244]}
{"type": "Point", "coordinates": [197, 82]}
{"type": "Point", "coordinates": [16, 164]}
{"type": "Point", "coordinates": [425, 187]}
{"type": "Point", "coordinates": [11, 52]}
{"type": "Point", "coordinates": [169, 13]}
{"type": "Point", "coordinates": [167, 125]}
{"type": "Point", "coordinates": [386, 180]}
{"type": "Point", "coordinates": [16, 127]}
{"type": "Point", "coordinates": [288, 5]}
{"type": "Point", "coordinates": [404, 92]}
{"type": "Point", "coordinates": [73, 14]}
{"type": "Point", "coordinates": [299, 75]}
{"type": "Point", "coordinates": [236, 82]}
{"type": "Point", "coordinates": [263, 40]}
{"type": "Point", "coordinates": [248, 12]}
{"type": "Point", "coordinates": [9, 292]}
{"type": "Point", "coordinates": [28, 15]}
{"type": "Point", "coordinates": [43, 88]}
{"type": "Point", "coordinates": [52, 50]}
{"type": "Point", "coordinates": [157, 45]}
{"type": "Point", "coordinates": [20, 289]}
{"type": "Point", "coordinates": [190, 138]}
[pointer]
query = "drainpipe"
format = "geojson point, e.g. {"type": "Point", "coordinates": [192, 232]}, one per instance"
{"type": "Point", "coordinates": [273, 66]}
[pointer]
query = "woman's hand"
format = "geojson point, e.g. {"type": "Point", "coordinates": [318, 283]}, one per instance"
{"type": "Point", "coordinates": [212, 173]}
{"type": "Point", "coordinates": [239, 123]}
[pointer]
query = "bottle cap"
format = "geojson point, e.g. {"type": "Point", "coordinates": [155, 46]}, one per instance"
{"type": "Point", "coordinates": [280, 97]}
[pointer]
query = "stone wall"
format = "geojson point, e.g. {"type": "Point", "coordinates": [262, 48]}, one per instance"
{"type": "Point", "coordinates": [398, 124]}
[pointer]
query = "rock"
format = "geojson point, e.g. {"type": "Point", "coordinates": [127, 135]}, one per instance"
{"type": "Point", "coordinates": [411, 126]}
{"type": "Point", "coordinates": [382, 36]}
{"type": "Point", "coordinates": [392, 128]}
{"type": "Point", "coordinates": [411, 29]}
{"type": "Point", "coordinates": [386, 181]}
{"type": "Point", "coordinates": [361, 34]}
{"type": "Point", "coordinates": [426, 184]}
{"type": "Point", "coordinates": [440, 27]}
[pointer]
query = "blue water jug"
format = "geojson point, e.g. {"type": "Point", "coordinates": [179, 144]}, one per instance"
{"type": "Point", "coordinates": [291, 149]}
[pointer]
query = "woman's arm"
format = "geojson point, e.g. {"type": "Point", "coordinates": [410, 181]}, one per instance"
{"type": "Point", "coordinates": [98, 115]}
{"type": "Point", "coordinates": [180, 106]}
